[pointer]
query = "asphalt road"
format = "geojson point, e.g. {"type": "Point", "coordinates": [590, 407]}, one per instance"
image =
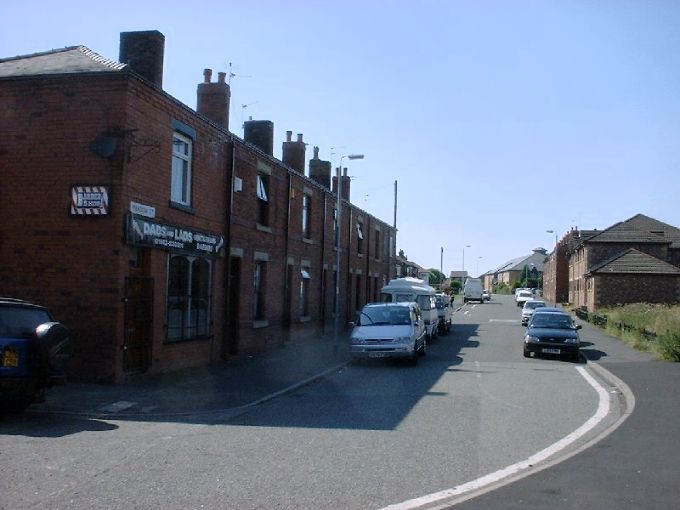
{"type": "Point", "coordinates": [368, 436]}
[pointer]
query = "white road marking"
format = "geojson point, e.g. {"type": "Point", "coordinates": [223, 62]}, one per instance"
{"type": "Point", "coordinates": [591, 423]}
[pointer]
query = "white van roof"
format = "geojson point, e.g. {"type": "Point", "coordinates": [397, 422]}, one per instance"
{"type": "Point", "coordinates": [407, 283]}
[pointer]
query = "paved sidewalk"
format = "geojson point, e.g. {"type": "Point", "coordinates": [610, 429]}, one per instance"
{"type": "Point", "coordinates": [241, 381]}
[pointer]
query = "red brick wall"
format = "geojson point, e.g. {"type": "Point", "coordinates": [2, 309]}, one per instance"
{"type": "Point", "coordinates": [78, 266]}
{"type": "Point", "coordinates": [612, 290]}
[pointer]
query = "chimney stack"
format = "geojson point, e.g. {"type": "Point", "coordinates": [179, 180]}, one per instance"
{"type": "Point", "coordinates": [320, 171]}
{"type": "Point", "coordinates": [143, 52]}
{"type": "Point", "coordinates": [213, 98]}
{"type": "Point", "coordinates": [261, 134]}
{"type": "Point", "coordinates": [293, 153]}
{"type": "Point", "coordinates": [344, 182]}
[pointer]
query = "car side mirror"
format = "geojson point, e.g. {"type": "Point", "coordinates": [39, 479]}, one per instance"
{"type": "Point", "coordinates": [578, 326]}
{"type": "Point", "coordinates": [351, 324]}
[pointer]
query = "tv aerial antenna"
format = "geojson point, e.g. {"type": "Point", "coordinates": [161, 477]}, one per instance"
{"type": "Point", "coordinates": [232, 74]}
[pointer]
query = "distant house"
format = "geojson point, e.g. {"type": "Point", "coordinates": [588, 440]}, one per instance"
{"type": "Point", "coordinates": [516, 269]}
{"type": "Point", "coordinates": [636, 260]}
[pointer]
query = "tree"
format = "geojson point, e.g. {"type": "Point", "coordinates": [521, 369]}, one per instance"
{"type": "Point", "coordinates": [436, 277]}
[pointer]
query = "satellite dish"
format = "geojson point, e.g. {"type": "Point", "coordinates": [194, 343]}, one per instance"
{"type": "Point", "coordinates": [104, 146]}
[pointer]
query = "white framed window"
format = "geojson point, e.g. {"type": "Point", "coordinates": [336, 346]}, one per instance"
{"type": "Point", "coordinates": [263, 199]}
{"type": "Point", "coordinates": [304, 291]}
{"type": "Point", "coordinates": [306, 216]}
{"type": "Point", "coordinates": [181, 169]}
{"type": "Point", "coordinates": [259, 286]}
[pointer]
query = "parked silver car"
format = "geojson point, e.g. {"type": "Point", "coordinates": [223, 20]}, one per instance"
{"type": "Point", "coordinates": [529, 308]}
{"type": "Point", "coordinates": [389, 330]}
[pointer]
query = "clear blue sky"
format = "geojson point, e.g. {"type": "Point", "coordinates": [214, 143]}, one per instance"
{"type": "Point", "coordinates": [499, 119]}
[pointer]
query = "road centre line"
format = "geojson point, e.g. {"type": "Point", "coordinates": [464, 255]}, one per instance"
{"type": "Point", "coordinates": [601, 412]}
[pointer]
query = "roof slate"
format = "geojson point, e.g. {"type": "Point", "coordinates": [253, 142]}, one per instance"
{"type": "Point", "coordinates": [639, 229]}
{"type": "Point", "coordinates": [74, 59]}
{"type": "Point", "coordinates": [633, 261]}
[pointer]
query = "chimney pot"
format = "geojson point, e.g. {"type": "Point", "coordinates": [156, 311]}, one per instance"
{"type": "Point", "coordinates": [289, 136]}
{"type": "Point", "coordinates": [207, 75]}
{"type": "Point", "coordinates": [299, 137]}
{"type": "Point", "coordinates": [316, 153]}
{"type": "Point", "coordinates": [221, 77]}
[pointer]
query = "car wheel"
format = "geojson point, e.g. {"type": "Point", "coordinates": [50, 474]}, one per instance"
{"type": "Point", "coordinates": [423, 349]}
{"type": "Point", "coordinates": [526, 354]}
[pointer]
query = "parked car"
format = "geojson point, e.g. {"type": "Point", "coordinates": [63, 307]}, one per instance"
{"type": "Point", "coordinates": [552, 331]}
{"type": "Point", "coordinates": [445, 311]}
{"type": "Point", "coordinates": [389, 330]}
{"type": "Point", "coordinates": [486, 295]}
{"type": "Point", "coordinates": [33, 353]}
{"type": "Point", "coordinates": [528, 309]}
{"type": "Point", "coordinates": [523, 296]}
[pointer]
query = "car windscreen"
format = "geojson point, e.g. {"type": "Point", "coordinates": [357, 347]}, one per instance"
{"type": "Point", "coordinates": [20, 322]}
{"type": "Point", "coordinates": [533, 305]}
{"type": "Point", "coordinates": [385, 315]}
{"type": "Point", "coordinates": [551, 320]}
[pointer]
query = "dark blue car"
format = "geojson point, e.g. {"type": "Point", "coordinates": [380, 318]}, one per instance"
{"type": "Point", "coordinates": [552, 332]}
{"type": "Point", "coordinates": [33, 352]}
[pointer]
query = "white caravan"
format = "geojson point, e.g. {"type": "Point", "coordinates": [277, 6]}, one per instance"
{"type": "Point", "coordinates": [415, 290]}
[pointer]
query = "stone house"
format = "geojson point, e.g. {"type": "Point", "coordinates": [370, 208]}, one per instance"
{"type": "Point", "coordinates": [161, 239]}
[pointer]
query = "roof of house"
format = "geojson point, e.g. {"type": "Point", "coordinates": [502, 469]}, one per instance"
{"type": "Point", "coordinates": [633, 261]}
{"type": "Point", "coordinates": [537, 258]}
{"type": "Point", "coordinates": [73, 59]}
{"type": "Point", "coordinates": [639, 229]}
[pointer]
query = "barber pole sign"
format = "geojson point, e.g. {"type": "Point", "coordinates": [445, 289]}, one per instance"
{"type": "Point", "coordinates": [89, 201]}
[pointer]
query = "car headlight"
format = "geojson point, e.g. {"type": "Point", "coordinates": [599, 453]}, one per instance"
{"type": "Point", "coordinates": [357, 340]}
{"type": "Point", "coordinates": [571, 341]}
{"type": "Point", "coordinates": [531, 339]}
{"type": "Point", "coordinates": [402, 339]}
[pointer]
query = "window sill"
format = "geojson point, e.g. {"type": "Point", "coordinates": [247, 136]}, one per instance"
{"type": "Point", "coordinates": [307, 240]}
{"type": "Point", "coordinates": [260, 324]}
{"type": "Point", "coordinates": [305, 318]}
{"type": "Point", "coordinates": [263, 228]}
{"type": "Point", "coordinates": [182, 207]}
{"type": "Point", "coordinates": [185, 340]}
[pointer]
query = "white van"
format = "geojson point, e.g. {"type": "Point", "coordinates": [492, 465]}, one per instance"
{"type": "Point", "coordinates": [473, 291]}
{"type": "Point", "coordinates": [414, 290]}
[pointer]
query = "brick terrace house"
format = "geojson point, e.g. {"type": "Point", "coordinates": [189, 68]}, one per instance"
{"type": "Point", "coordinates": [161, 239]}
{"type": "Point", "coordinates": [556, 268]}
{"type": "Point", "coordinates": [632, 261]}
{"type": "Point", "coordinates": [636, 260]}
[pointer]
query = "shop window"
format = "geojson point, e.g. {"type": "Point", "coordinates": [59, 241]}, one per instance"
{"type": "Point", "coordinates": [189, 298]}
{"type": "Point", "coordinates": [181, 170]}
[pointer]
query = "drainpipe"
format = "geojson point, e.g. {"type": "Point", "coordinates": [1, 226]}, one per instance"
{"type": "Point", "coordinates": [224, 350]}
{"type": "Point", "coordinates": [322, 293]}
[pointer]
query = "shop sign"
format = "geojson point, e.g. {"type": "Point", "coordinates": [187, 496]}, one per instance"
{"type": "Point", "coordinates": [153, 234]}
{"type": "Point", "coordinates": [89, 201]}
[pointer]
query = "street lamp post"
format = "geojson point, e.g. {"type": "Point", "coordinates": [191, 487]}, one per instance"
{"type": "Point", "coordinates": [338, 225]}
{"type": "Point", "coordinates": [466, 246]}
{"type": "Point", "coordinates": [553, 232]}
